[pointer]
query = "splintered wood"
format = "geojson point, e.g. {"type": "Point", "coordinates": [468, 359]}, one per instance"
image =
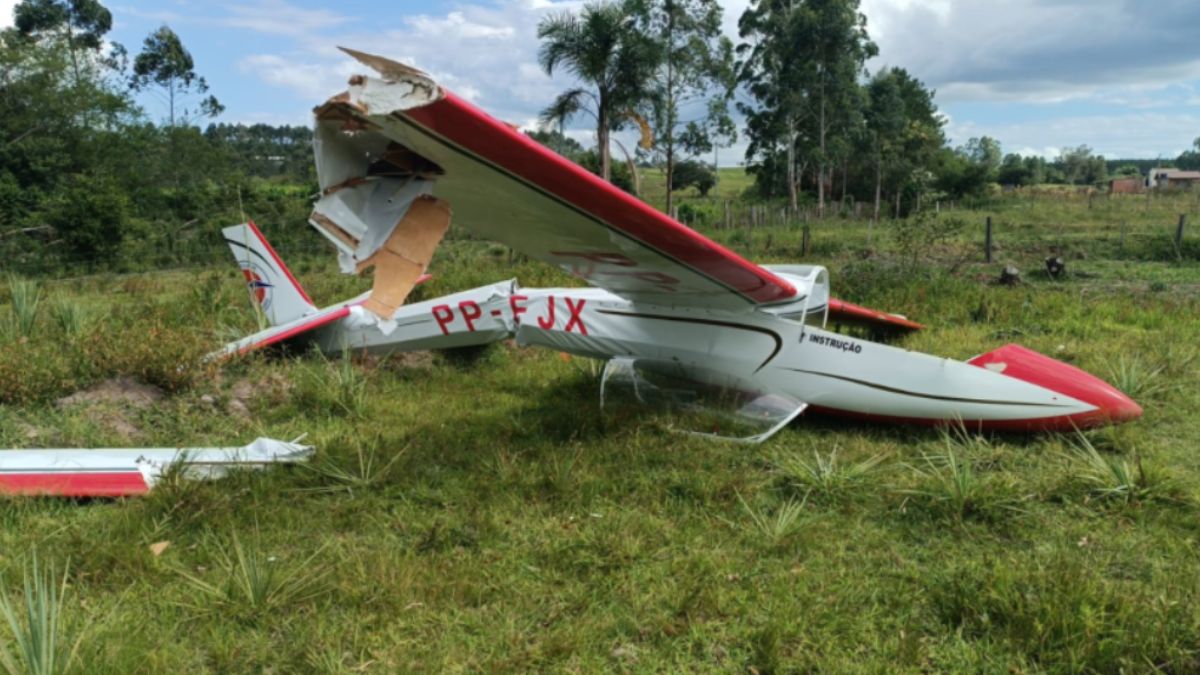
{"type": "Point", "coordinates": [406, 254]}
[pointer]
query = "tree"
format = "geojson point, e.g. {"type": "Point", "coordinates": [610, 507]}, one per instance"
{"type": "Point", "coordinates": [166, 64]}
{"type": "Point", "coordinates": [915, 151]}
{"type": "Point", "coordinates": [802, 60]}
{"type": "Point", "coordinates": [834, 35]}
{"type": "Point", "coordinates": [1190, 159]}
{"type": "Point", "coordinates": [1020, 171]}
{"type": "Point", "coordinates": [984, 152]}
{"type": "Point", "coordinates": [1128, 171]}
{"type": "Point", "coordinates": [885, 120]}
{"type": "Point", "coordinates": [697, 68]}
{"type": "Point", "coordinates": [691, 173]}
{"type": "Point", "coordinates": [1081, 167]}
{"type": "Point", "coordinates": [601, 47]}
{"type": "Point", "coordinates": [555, 140]}
{"type": "Point", "coordinates": [82, 24]}
{"type": "Point", "coordinates": [90, 216]}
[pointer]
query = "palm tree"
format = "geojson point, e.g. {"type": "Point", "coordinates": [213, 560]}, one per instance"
{"type": "Point", "coordinates": [601, 47]}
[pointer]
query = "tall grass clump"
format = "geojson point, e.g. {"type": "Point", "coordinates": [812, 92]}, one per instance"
{"type": "Point", "coordinates": [42, 639]}
{"type": "Point", "coordinates": [777, 526]}
{"type": "Point", "coordinates": [363, 472]}
{"type": "Point", "coordinates": [251, 583]}
{"type": "Point", "coordinates": [1121, 479]}
{"type": "Point", "coordinates": [950, 484]}
{"type": "Point", "coordinates": [69, 317]}
{"type": "Point", "coordinates": [335, 385]}
{"type": "Point", "coordinates": [825, 475]}
{"type": "Point", "coordinates": [25, 297]}
{"type": "Point", "coordinates": [1138, 379]}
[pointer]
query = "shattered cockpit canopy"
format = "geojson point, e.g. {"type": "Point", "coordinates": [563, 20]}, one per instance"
{"type": "Point", "coordinates": [693, 400]}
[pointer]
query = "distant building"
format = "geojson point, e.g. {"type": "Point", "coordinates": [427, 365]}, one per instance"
{"type": "Point", "coordinates": [1126, 186]}
{"type": "Point", "coordinates": [1171, 178]}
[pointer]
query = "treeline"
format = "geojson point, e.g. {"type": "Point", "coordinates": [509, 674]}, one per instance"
{"type": "Point", "coordinates": [820, 127]}
{"type": "Point", "coordinates": [87, 175]}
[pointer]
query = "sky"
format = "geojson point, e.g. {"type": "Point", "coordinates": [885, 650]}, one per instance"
{"type": "Point", "coordinates": [1121, 76]}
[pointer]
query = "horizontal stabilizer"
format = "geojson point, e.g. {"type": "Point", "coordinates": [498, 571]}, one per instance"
{"type": "Point", "coordinates": [850, 314]}
{"type": "Point", "coordinates": [272, 336]}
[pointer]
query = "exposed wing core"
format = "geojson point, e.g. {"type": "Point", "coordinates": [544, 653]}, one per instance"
{"type": "Point", "coordinates": [505, 186]}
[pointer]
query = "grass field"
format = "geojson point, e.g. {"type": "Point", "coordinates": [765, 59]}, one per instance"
{"type": "Point", "coordinates": [473, 514]}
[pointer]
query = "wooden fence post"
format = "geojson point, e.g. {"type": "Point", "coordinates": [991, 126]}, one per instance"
{"type": "Point", "coordinates": [805, 241]}
{"type": "Point", "coordinates": [987, 240]}
{"type": "Point", "coordinates": [1122, 247]}
{"type": "Point", "coordinates": [1179, 236]}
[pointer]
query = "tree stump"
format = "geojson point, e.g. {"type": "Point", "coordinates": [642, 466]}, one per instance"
{"type": "Point", "coordinates": [1055, 267]}
{"type": "Point", "coordinates": [1010, 276]}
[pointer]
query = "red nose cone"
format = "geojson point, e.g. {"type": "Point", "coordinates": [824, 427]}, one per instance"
{"type": "Point", "coordinates": [1112, 406]}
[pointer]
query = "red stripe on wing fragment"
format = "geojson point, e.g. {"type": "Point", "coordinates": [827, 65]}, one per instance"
{"type": "Point", "coordinates": [496, 142]}
{"type": "Point", "coordinates": [114, 484]}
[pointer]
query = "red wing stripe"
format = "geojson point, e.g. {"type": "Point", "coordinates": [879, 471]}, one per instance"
{"type": "Point", "coordinates": [83, 484]}
{"type": "Point", "coordinates": [476, 131]}
{"type": "Point", "coordinates": [279, 261]}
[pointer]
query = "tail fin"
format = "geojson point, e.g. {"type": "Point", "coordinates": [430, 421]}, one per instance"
{"type": "Point", "coordinates": [269, 281]}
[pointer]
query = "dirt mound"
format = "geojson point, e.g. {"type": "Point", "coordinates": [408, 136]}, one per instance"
{"type": "Point", "coordinates": [119, 391]}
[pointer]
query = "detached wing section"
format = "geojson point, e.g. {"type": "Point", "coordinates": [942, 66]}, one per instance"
{"type": "Point", "coordinates": [397, 138]}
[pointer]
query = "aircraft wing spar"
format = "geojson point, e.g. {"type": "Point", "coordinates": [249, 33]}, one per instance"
{"type": "Point", "coordinates": [400, 129]}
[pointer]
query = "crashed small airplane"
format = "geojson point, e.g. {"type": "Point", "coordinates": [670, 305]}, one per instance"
{"type": "Point", "coordinates": [680, 320]}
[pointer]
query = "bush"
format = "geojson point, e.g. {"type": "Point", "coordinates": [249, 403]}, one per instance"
{"type": "Point", "coordinates": [621, 177]}
{"type": "Point", "coordinates": [691, 173]}
{"type": "Point", "coordinates": [90, 216]}
{"type": "Point", "coordinates": [699, 215]}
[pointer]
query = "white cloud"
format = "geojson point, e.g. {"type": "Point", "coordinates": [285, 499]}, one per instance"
{"type": "Point", "coordinates": [486, 54]}
{"type": "Point", "coordinates": [1037, 51]}
{"type": "Point", "coordinates": [6, 12]}
{"type": "Point", "coordinates": [1137, 134]}
{"type": "Point", "coordinates": [456, 25]}
{"type": "Point", "coordinates": [279, 17]}
{"type": "Point", "coordinates": [313, 80]}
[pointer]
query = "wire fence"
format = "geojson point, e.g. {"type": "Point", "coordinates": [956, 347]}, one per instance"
{"type": "Point", "coordinates": [1152, 227]}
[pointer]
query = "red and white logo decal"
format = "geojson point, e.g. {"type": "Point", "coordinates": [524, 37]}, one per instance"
{"type": "Point", "coordinates": [256, 282]}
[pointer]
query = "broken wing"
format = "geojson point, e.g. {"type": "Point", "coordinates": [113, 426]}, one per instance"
{"type": "Point", "coordinates": [398, 135]}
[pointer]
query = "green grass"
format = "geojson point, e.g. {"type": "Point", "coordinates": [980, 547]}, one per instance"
{"type": "Point", "coordinates": [476, 515]}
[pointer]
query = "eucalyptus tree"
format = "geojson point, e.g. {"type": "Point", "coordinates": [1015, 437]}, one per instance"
{"type": "Point", "coordinates": [602, 48]}
{"type": "Point", "coordinates": [167, 65]}
{"type": "Point", "coordinates": [694, 79]}
{"type": "Point", "coordinates": [802, 61]}
{"type": "Point", "coordinates": [80, 24]}
{"type": "Point", "coordinates": [768, 72]}
{"type": "Point", "coordinates": [885, 121]}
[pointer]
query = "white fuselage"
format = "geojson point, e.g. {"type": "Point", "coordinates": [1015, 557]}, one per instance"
{"type": "Point", "coordinates": [828, 370]}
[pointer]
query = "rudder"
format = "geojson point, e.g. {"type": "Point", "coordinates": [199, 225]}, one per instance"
{"type": "Point", "coordinates": [270, 283]}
